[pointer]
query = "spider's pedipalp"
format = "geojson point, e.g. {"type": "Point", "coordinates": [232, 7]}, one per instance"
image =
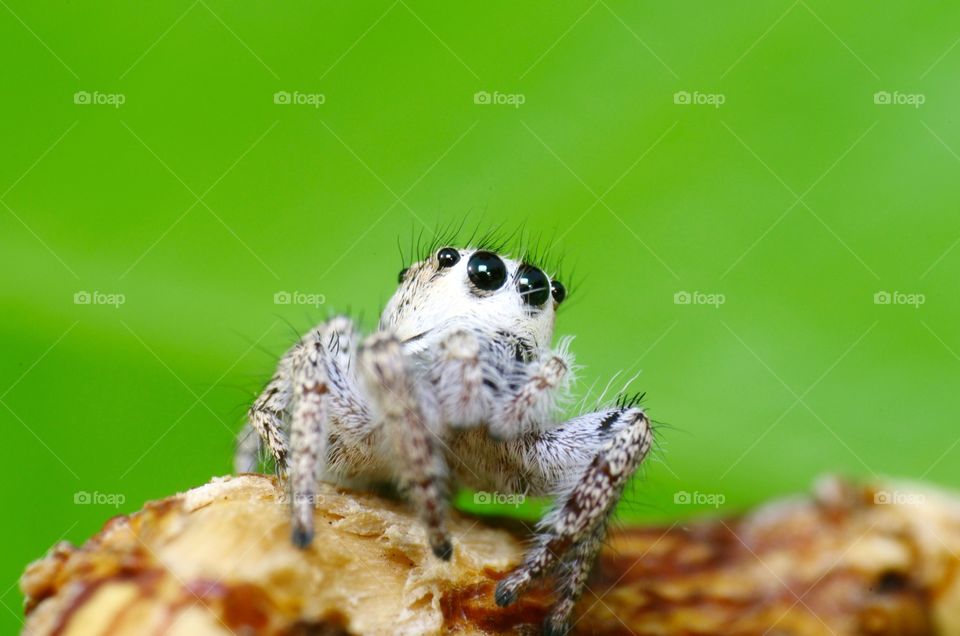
{"type": "Point", "coordinates": [539, 385]}
{"type": "Point", "coordinates": [457, 377]}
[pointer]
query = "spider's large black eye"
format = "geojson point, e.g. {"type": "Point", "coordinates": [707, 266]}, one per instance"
{"type": "Point", "coordinates": [448, 257]}
{"type": "Point", "coordinates": [533, 285]}
{"type": "Point", "coordinates": [402, 274]}
{"type": "Point", "coordinates": [558, 290]}
{"type": "Point", "coordinates": [486, 271]}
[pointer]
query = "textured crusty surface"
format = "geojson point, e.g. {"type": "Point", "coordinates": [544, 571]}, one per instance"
{"type": "Point", "coordinates": [218, 560]}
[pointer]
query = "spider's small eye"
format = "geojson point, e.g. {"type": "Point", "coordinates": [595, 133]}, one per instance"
{"type": "Point", "coordinates": [448, 257]}
{"type": "Point", "coordinates": [533, 285]}
{"type": "Point", "coordinates": [403, 274]}
{"type": "Point", "coordinates": [558, 290]}
{"type": "Point", "coordinates": [486, 271]}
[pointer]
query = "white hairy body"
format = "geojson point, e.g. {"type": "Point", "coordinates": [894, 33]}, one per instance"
{"type": "Point", "coordinates": [457, 387]}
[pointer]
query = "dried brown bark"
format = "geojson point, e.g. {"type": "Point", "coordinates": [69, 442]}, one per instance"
{"type": "Point", "coordinates": [218, 560]}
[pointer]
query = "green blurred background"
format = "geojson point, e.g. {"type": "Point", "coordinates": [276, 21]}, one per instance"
{"type": "Point", "coordinates": [794, 202]}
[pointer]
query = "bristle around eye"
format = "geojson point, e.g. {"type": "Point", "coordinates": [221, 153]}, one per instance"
{"type": "Point", "coordinates": [442, 236]}
{"type": "Point", "coordinates": [529, 247]}
{"type": "Point", "coordinates": [537, 250]}
{"type": "Point", "coordinates": [492, 240]}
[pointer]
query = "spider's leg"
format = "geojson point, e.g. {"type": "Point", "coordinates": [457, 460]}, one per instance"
{"type": "Point", "coordinates": [315, 386]}
{"type": "Point", "coordinates": [331, 429]}
{"type": "Point", "coordinates": [572, 576]}
{"type": "Point", "coordinates": [249, 445]}
{"type": "Point", "coordinates": [266, 418]}
{"type": "Point", "coordinates": [422, 470]}
{"type": "Point", "coordinates": [538, 385]}
{"type": "Point", "coordinates": [587, 462]}
{"type": "Point", "coordinates": [352, 433]}
{"type": "Point", "coordinates": [308, 438]}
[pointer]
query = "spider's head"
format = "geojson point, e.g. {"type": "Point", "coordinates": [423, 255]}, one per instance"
{"type": "Point", "coordinates": [477, 290]}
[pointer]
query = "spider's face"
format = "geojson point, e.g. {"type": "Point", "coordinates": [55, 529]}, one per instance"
{"type": "Point", "coordinates": [477, 290]}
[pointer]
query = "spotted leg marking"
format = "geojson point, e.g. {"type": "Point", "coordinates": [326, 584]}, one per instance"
{"type": "Point", "coordinates": [266, 417]}
{"type": "Point", "coordinates": [585, 508]}
{"type": "Point", "coordinates": [572, 577]}
{"type": "Point", "coordinates": [308, 438]}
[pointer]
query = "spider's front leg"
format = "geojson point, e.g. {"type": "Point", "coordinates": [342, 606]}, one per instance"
{"type": "Point", "coordinates": [598, 452]}
{"type": "Point", "coordinates": [314, 396]}
{"type": "Point", "coordinates": [327, 418]}
{"type": "Point", "coordinates": [391, 384]}
{"type": "Point", "coordinates": [308, 437]}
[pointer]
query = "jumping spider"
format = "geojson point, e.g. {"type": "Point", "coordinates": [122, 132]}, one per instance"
{"type": "Point", "coordinates": [457, 387]}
